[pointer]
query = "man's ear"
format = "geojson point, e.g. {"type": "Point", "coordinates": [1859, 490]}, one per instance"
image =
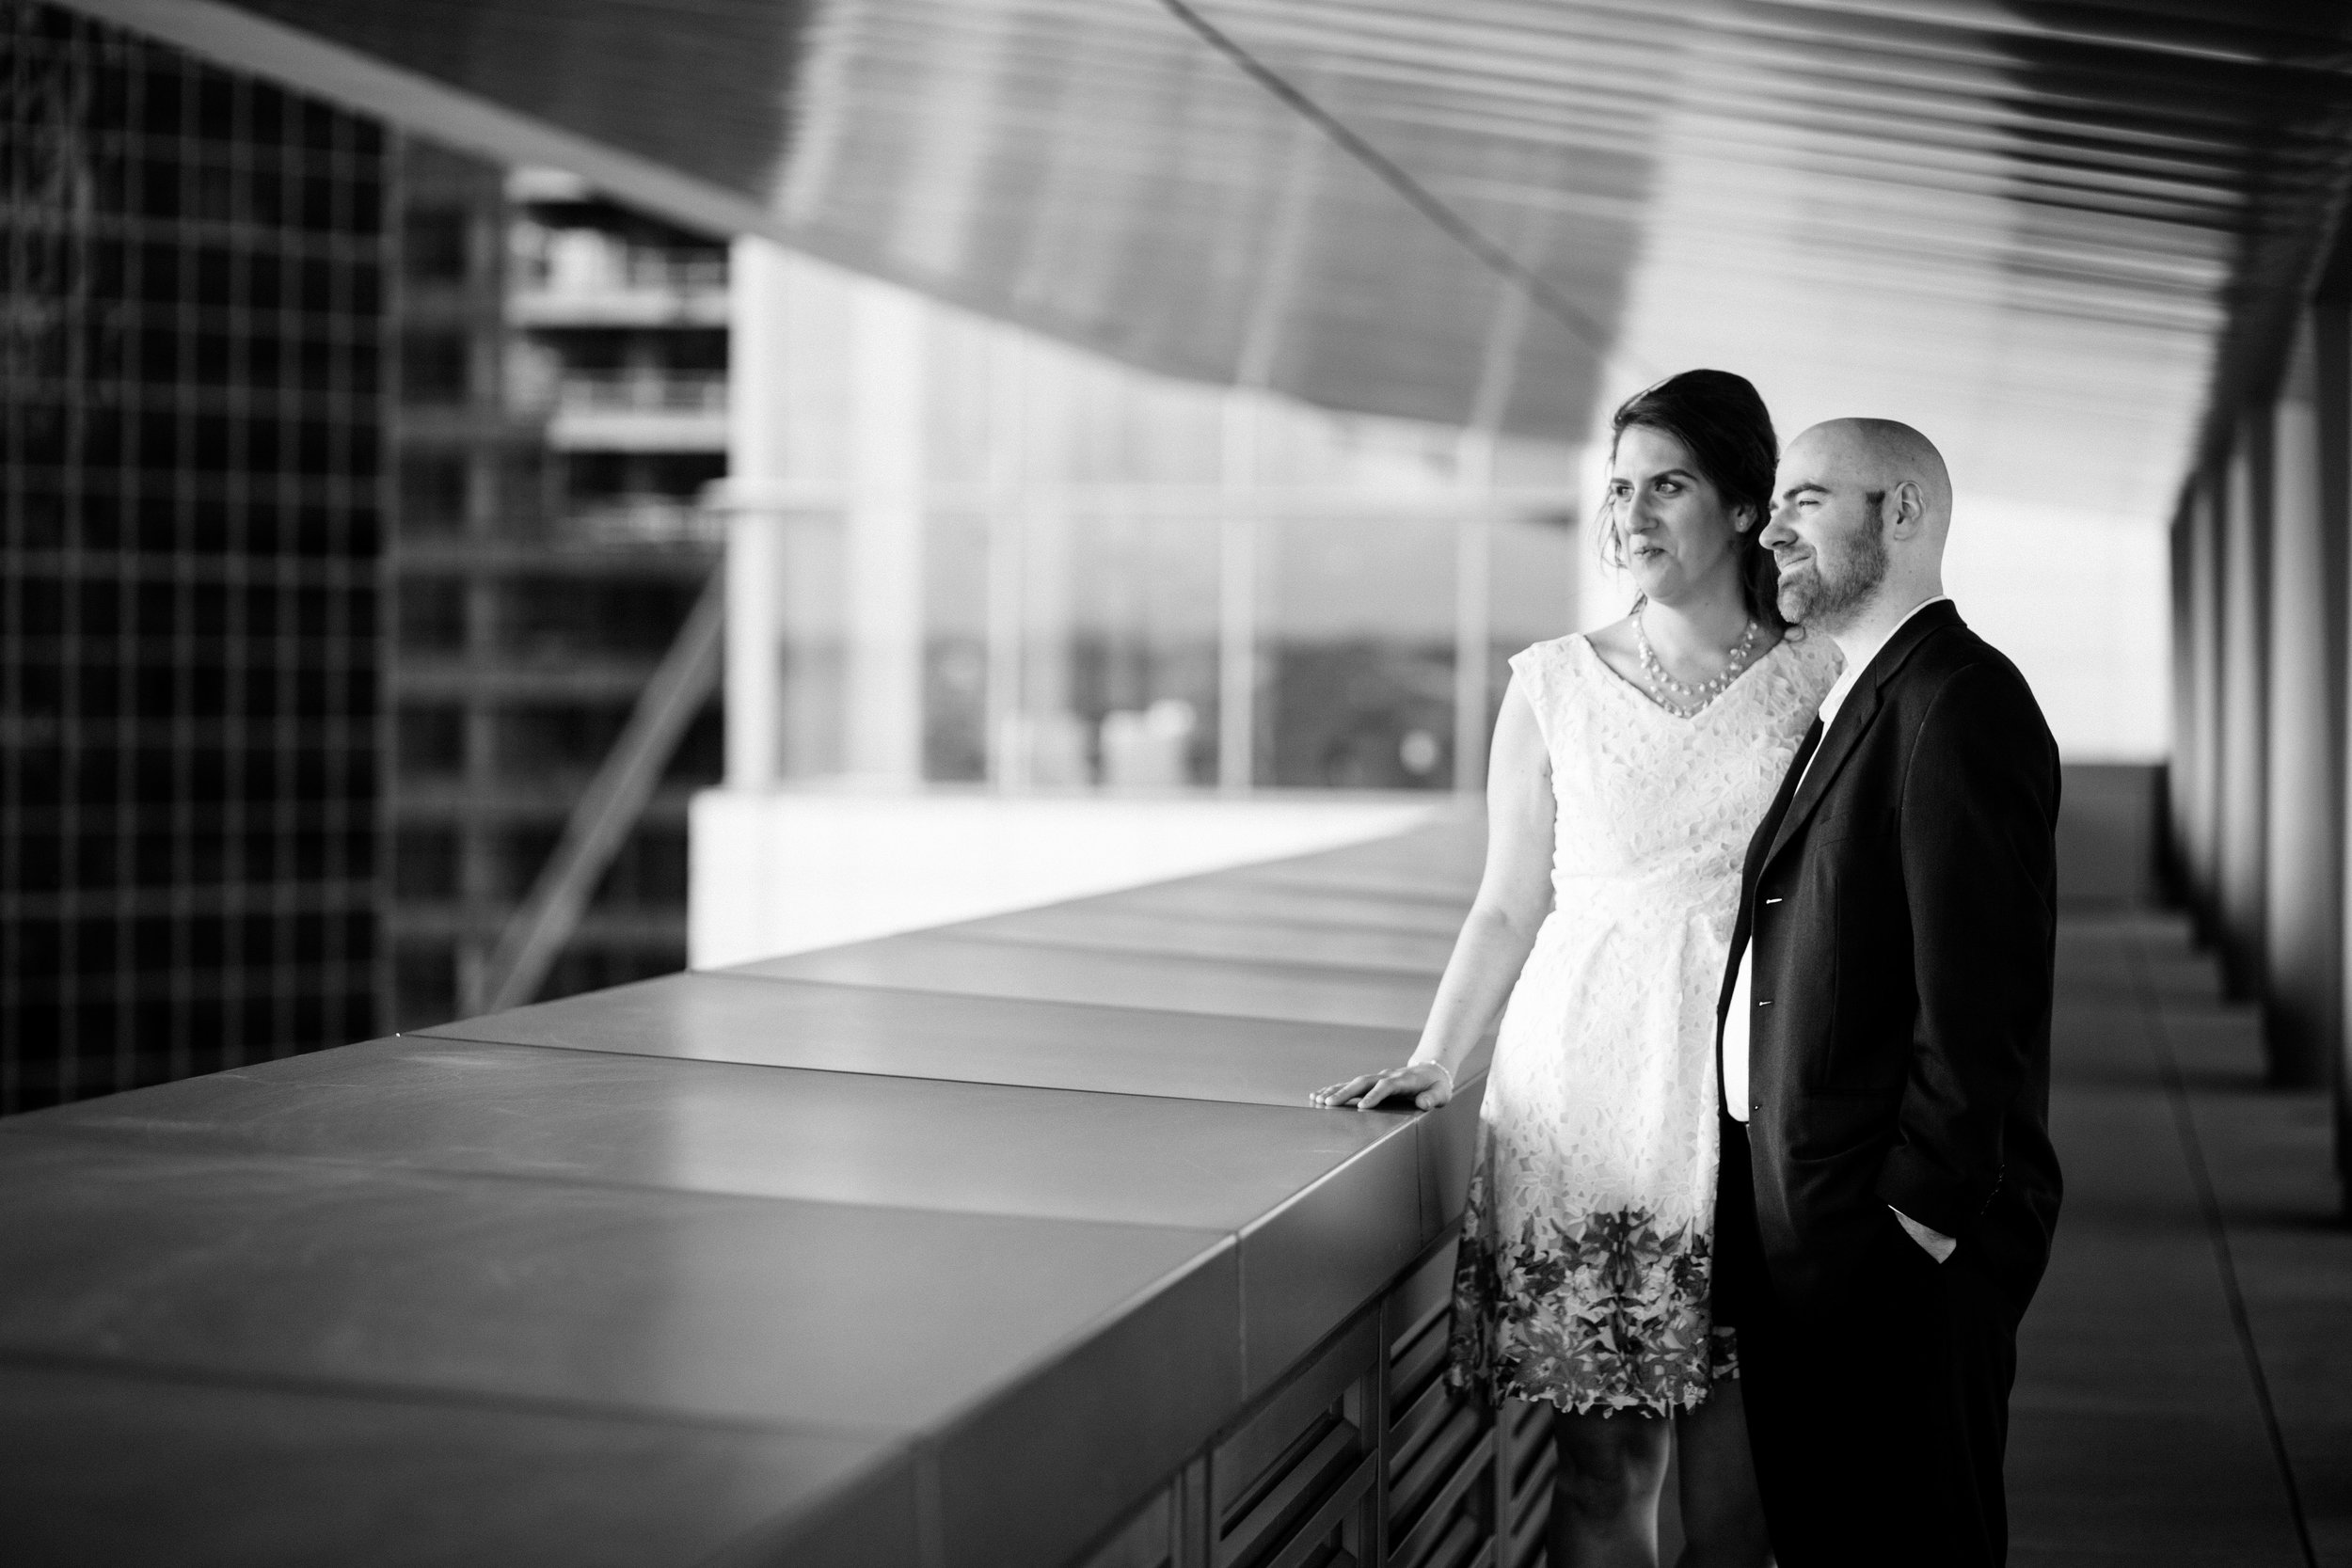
{"type": "Point", "coordinates": [1911, 506]}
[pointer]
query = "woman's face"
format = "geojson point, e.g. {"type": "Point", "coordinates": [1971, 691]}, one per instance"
{"type": "Point", "coordinates": [1678, 537]}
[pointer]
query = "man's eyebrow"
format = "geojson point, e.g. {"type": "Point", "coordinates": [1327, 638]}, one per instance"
{"type": "Point", "coordinates": [1810, 486]}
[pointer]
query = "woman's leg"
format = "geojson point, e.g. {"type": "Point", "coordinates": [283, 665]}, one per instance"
{"type": "Point", "coordinates": [1604, 1498]}
{"type": "Point", "coordinates": [1722, 1516]}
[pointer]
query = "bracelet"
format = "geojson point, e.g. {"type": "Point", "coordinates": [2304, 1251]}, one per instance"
{"type": "Point", "coordinates": [1441, 1067]}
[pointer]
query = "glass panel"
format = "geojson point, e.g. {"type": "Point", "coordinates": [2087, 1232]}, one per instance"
{"type": "Point", "coordinates": [955, 647]}
{"type": "Point", "coordinates": [1119, 627]}
{"type": "Point", "coordinates": [1143, 649]}
{"type": "Point", "coordinates": [1356, 653]}
{"type": "Point", "coordinates": [814, 653]}
{"type": "Point", "coordinates": [1533, 598]}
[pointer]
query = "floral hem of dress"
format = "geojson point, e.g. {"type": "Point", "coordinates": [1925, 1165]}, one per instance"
{"type": "Point", "coordinates": [1723, 1366]}
{"type": "Point", "coordinates": [1597, 1312]}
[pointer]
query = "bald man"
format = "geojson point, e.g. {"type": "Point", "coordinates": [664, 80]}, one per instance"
{"type": "Point", "coordinates": [1888, 1188]}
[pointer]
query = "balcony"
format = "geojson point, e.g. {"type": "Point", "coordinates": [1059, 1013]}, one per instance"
{"type": "Point", "coordinates": [521, 678]}
{"type": "Point", "coordinates": [639, 411]}
{"type": "Point", "coordinates": [644, 520]}
{"type": "Point", "coordinates": [627, 535]}
{"type": "Point", "coordinates": [583, 277]}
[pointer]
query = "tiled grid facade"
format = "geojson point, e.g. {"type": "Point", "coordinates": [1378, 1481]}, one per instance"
{"type": "Point", "coordinates": [191, 446]}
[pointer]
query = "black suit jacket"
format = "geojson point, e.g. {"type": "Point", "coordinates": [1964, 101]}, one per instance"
{"type": "Point", "coordinates": [1903, 908]}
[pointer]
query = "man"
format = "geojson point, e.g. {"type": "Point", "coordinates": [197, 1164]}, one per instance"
{"type": "Point", "coordinates": [1888, 1187]}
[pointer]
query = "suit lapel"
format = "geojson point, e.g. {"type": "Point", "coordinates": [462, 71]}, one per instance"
{"type": "Point", "coordinates": [1854, 720]}
{"type": "Point", "coordinates": [1861, 706]}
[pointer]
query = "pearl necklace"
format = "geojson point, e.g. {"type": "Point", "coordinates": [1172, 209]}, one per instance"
{"type": "Point", "coordinates": [1693, 698]}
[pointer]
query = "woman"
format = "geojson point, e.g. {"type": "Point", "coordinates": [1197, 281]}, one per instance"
{"type": "Point", "coordinates": [1629, 768]}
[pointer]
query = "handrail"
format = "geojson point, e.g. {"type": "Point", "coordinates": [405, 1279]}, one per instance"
{"type": "Point", "coordinates": [637, 391]}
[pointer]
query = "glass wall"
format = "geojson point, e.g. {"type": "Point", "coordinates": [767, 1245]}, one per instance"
{"type": "Point", "coordinates": [1085, 648]}
{"type": "Point", "coordinates": [1532, 559]}
{"type": "Point", "coordinates": [1118, 665]}
{"type": "Point", "coordinates": [1355, 650]}
{"type": "Point", "coordinates": [1126, 582]}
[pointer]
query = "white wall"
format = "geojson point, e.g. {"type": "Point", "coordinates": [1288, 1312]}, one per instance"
{"type": "Point", "coordinates": [784, 871]}
{"type": "Point", "coordinates": [2078, 599]}
{"type": "Point", "coordinates": [2080, 602]}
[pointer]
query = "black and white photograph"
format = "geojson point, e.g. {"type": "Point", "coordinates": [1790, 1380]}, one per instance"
{"type": "Point", "coordinates": [1175, 784]}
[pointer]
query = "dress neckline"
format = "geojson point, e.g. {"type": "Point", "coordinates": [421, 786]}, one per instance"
{"type": "Point", "coordinates": [1652, 703]}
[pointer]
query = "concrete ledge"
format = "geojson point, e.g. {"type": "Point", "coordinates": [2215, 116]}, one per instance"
{"type": "Point", "coordinates": [869, 1268]}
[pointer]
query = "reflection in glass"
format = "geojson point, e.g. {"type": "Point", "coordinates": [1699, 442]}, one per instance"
{"type": "Point", "coordinates": [1356, 636]}
{"type": "Point", "coordinates": [814, 653]}
{"type": "Point", "coordinates": [1113, 581]}
{"type": "Point", "coordinates": [1142, 647]}
{"type": "Point", "coordinates": [955, 647]}
{"type": "Point", "coordinates": [1532, 592]}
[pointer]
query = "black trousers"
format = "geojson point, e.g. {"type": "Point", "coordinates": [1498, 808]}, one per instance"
{"type": "Point", "coordinates": [1878, 1421]}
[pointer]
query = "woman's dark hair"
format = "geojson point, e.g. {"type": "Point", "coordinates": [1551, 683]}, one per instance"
{"type": "Point", "coordinates": [1722, 424]}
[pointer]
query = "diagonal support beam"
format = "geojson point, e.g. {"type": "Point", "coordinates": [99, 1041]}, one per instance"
{"type": "Point", "coordinates": [610, 807]}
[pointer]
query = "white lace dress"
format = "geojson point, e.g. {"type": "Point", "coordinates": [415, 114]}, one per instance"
{"type": "Point", "coordinates": [1587, 1247]}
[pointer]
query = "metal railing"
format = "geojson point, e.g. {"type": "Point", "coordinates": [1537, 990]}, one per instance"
{"type": "Point", "coordinates": [642, 520]}
{"type": "Point", "coordinates": [607, 810]}
{"type": "Point", "coordinates": [606, 266]}
{"type": "Point", "coordinates": [641, 392]}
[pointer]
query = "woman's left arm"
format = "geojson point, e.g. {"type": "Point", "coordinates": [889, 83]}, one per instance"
{"type": "Point", "coordinates": [1514, 895]}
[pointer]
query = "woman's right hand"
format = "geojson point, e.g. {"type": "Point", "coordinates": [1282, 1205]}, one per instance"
{"type": "Point", "coordinates": [1429, 1084]}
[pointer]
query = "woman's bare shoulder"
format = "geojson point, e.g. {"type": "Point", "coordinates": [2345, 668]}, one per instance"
{"type": "Point", "coordinates": [1612, 640]}
{"type": "Point", "coordinates": [1536, 664]}
{"type": "Point", "coordinates": [1614, 644]}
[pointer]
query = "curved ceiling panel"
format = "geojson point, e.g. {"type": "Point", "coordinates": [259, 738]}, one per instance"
{"type": "Point", "coordinates": [2040, 230]}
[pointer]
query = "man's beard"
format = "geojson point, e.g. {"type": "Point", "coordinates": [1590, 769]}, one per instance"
{"type": "Point", "coordinates": [1825, 595]}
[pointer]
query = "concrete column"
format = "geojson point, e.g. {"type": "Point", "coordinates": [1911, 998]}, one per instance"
{"type": "Point", "coordinates": [1237, 599]}
{"type": "Point", "coordinates": [1008, 504]}
{"type": "Point", "coordinates": [1473, 637]}
{"type": "Point", "coordinates": [2331, 364]}
{"type": "Point", "coordinates": [2181, 764]}
{"type": "Point", "coordinates": [2302, 855]}
{"type": "Point", "coordinates": [884, 547]}
{"type": "Point", "coordinates": [1052, 742]}
{"type": "Point", "coordinates": [2204, 857]}
{"type": "Point", "coordinates": [758, 473]}
{"type": "Point", "coordinates": [2245, 703]}
{"type": "Point", "coordinates": [824, 499]}
{"type": "Point", "coordinates": [1473, 556]}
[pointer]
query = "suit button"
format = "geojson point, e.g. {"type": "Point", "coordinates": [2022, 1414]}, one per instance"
{"type": "Point", "coordinates": [1756, 1108]}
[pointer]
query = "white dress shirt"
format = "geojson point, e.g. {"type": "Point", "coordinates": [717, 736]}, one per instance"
{"type": "Point", "coordinates": [1736, 1020]}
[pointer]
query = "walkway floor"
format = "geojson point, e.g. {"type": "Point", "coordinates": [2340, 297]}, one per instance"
{"type": "Point", "coordinates": [2184, 1383]}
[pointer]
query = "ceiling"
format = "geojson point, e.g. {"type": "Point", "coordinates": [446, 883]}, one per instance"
{"type": "Point", "coordinates": [2043, 232]}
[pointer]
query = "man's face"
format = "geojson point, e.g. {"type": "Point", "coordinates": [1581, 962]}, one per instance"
{"type": "Point", "coordinates": [1826, 534]}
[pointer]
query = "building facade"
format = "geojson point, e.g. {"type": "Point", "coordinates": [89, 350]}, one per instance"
{"type": "Point", "coordinates": [349, 504]}
{"type": "Point", "coordinates": [195, 356]}
{"type": "Point", "coordinates": [564, 404]}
